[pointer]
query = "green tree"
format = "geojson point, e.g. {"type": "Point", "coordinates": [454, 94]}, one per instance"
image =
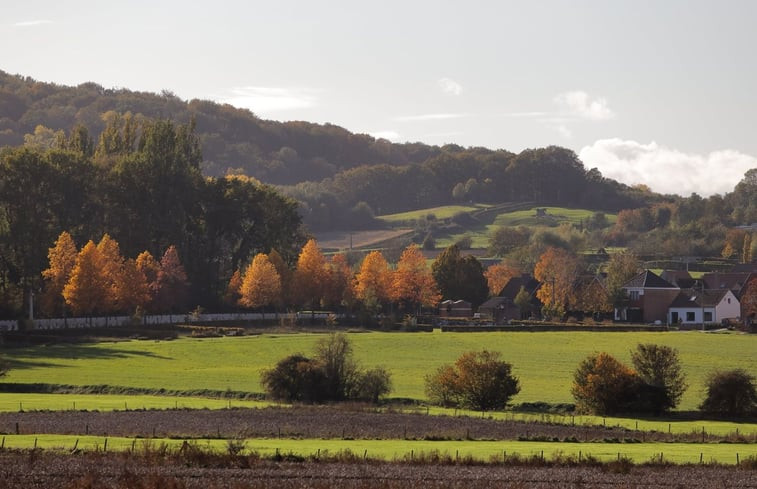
{"type": "Point", "coordinates": [659, 367]}
{"type": "Point", "coordinates": [460, 277]}
{"type": "Point", "coordinates": [730, 393]}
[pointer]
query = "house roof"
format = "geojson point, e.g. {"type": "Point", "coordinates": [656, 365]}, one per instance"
{"type": "Point", "coordinates": [648, 280]}
{"type": "Point", "coordinates": [745, 267]}
{"type": "Point", "coordinates": [695, 298]}
{"type": "Point", "coordinates": [511, 289]}
{"type": "Point", "coordinates": [681, 278]}
{"type": "Point", "coordinates": [494, 303]}
{"type": "Point", "coordinates": [734, 281]}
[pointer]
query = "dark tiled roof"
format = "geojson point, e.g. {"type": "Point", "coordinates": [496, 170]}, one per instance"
{"type": "Point", "coordinates": [681, 278]}
{"type": "Point", "coordinates": [649, 280]}
{"type": "Point", "coordinates": [695, 298]}
{"type": "Point", "coordinates": [494, 302]}
{"type": "Point", "coordinates": [734, 281]}
{"type": "Point", "coordinates": [511, 289]}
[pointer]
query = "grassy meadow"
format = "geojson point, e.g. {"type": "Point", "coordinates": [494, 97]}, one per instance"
{"type": "Point", "coordinates": [544, 362]}
{"type": "Point", "coordinates": [485, 451]}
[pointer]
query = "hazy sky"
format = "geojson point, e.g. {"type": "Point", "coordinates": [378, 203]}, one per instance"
{"type": "Point", "coordinates": [656, 92]}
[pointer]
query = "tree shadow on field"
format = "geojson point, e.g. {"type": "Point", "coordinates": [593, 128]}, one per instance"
{"type": "Point", "coordinates": [46, 356]}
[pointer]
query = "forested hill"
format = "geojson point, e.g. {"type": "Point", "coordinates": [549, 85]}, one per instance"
{"type": "Point", "coordinates": [340, 178]}
{"type": "Point", "coordinates": [232, 140]}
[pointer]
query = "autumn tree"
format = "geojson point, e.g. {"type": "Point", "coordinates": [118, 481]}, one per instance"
{"type": "Point", "coordinates": [231, 296]}
{"type": "Point", "coordinates": [603, 385]}
{"type": "Point", "coordinates": [412, 282]}
{"type": "Point", "coordinates": [341, 283]}
{"type": "Point", "coordinates": [261, 285]}
{"type": "Point", "coordinates": [557, 270]}
{"type": "Point", "coordinates": [62, 258]}
{"type": "Point", "coordinates": [373, 281]}
{"type": "Point", "coordinates": [478, 380]}
{"type": "Point", "coordinates": [591, 297]}
{"type": "Point", "coordinates": [112, 268]}
{"type": "Point", "coordinates": [171, 284]}
{"type": "Point", "coordinates": [310, 275]}
{"type": "Point", "coordinates": [150, 268]}
{"type": "Point", "coordinates": [285, 275]}
{"type": "Point", "coordinates": [498, 275]}
{"type": "Point", "coordinates": [87, 289]}
{"type": "Point", "coordinates": [132, 291]}
{"type": "Point", "coordinates": [749, 299]}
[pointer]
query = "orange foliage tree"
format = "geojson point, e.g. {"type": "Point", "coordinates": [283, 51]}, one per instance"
{"type": "Point", "coordinates": [111, 263]}
{"type": "Point", "coordinates": [261, 285]}
{"type": "Point", "coordinates": [132, 290]}
{"type": "Point", "coordinates": [149, 267]}
{"type": "Point", "coordinates": [285, 275]}
{"type": "Point", "coordinates": [498, 275]}
{"type": "Point", "coordinates": [310, 275]}
{"type": "Point", "coordinates": [412, 282]}
{"type": "Point", "coordinates": [374, 279]}
{"type": "Point", "coordinates": [231, 296]}
{"type": "Point", "coordinates": [87, 289]}
{"type": "Point", "coordinates": [171, 284]}
{"type": "Point", "coordinates": [557, 270]}
{"type": "Point", "coordinates": [341, 283]}
{"type": "Point", "coordinates": [603, 385]}
{"type": "Point", "coordinates": [62, 258]}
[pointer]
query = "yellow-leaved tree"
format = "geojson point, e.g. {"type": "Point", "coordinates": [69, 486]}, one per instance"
{"type": "Point", "coordinates": [557, 270]}
{"type": "Point", "coordinates": [412, 282]}
{"type": "Point", "coordinates": [498, 275]}
{"type": "Point", "coordinates": [87, 288]}
{"type": "Point", "coordinates": [310, 275]}
{"type": "Point", "coordinates": [112, 270]}
{"type": "Point", "coordinates": [374, 280]}
{"type": "Point", "coordinates": [62, 257]}
{"type": "Point", "coordinates": [261, 285]}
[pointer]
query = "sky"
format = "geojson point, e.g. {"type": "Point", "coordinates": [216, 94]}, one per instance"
{"type": "Point", "coordinates": [661, 93]}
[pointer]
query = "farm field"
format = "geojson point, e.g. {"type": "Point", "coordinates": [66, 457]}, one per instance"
{"type": "Point", "coordinates": [406, 450]}
{"type": "Point", "coordinates": [196, 471]}
{"type": "Point", "coordinates": [544, 362]}
{"type": "Point", "coordinates": [14, 402]}
{"type": "Point", "coordinates": [342, 240]}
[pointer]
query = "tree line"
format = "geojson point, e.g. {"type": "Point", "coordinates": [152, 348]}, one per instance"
{"type": "Point", "coordinates": [141, 184]}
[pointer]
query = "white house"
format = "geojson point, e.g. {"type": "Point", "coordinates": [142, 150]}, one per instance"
{"type": "Point", "coordinates": [701, 307]}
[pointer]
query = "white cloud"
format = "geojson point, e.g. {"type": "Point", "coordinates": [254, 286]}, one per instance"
{"type": "Point", "coordinates": [450, 86]}
{"type": "Point", "coordinates": [667, 170]}
{"type": "Point", "coordinates": [579, 104]}
{"type": "Point", "coordinates": [32, 23]}
{"type": "Point", "coordinates": [429, 117]}
{"type": "Point", "coordinates": [270, 99]}
{"type": "Point", "coordinates": [390, 135]}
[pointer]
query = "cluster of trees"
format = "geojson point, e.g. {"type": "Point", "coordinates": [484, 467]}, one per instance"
{"type": "Point", "coordinates": [141, 184]}
{"type": "Point", "coordinates": [655, 384]}
{"type": "Point", "coordinates": [98, 280]}
{"type": "Point", "coordinates": [477, 380]}
{"type": "Point", "coordinates": [333, 283]}
{"type": "Point", "coordinates": [331, 375]}
{"type": "Point", "coordinates": [603, 385]}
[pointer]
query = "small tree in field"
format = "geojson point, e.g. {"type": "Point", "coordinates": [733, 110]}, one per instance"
{"type": "Point", "coordinates": [603, 385]}
{"type": "Point", "coordinates": [477, 380]}
{"type": "Point", "coordinates": [659, 368]}
{"type": "Point", "coordinates": [730, 393]}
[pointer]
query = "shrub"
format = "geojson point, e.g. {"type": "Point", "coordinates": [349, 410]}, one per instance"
{"type": "Point", "coordinates": [478, 380]}
{"type": "Point", "coordinates": [731, 393]}
{"type": "Point", "coordinates": [332, 375]}
{"type": "Point", "coordinates": [603, 385]}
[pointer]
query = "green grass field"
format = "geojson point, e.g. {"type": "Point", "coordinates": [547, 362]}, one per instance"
{"type": "Point", "coordinates": [527, 217]}
{"type": "Point", "coordinates": [11, 402]}
{"type": "Point", "coordinates": [544, 362]}
{"type": "Point", "coordinates": [442, 212]}
{"type": "Point", "coordinates": [405, 449]}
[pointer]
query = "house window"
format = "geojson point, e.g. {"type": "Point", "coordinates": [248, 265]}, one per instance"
{"type": "Point", "coordinates": [708, 317]}
{"type": "Point", "coordinates": [729, 300]}
{"type": "Point", "coordinates": [634, 294]}
{"type": "Point", "coordinates": [690, 316]}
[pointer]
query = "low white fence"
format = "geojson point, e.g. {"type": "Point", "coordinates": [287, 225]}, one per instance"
{"type": "Point", "coordinates": [113, 321]}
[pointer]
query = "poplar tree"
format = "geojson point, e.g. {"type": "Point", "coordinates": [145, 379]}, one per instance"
{"type": "Point", "coordinates": [87, 289]}
{"type": "Point", "coordinates": [62, 258]}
